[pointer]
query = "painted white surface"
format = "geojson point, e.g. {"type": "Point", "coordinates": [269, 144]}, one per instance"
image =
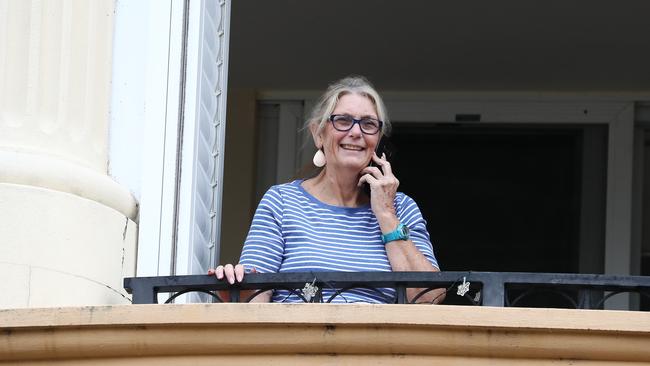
{"type": "Point", "coordinates": [129, 67]}
{"type": "Point", "coordinates": [155, 243]}
{"type": "Point", "coordinates": [67, 229]}
{"type": "Point", "coordinates": [49, 171]}
{"type": "Point", "coordinates": [64, 249]}
{"type": "Point", "coordinates": [145, 120]}
{"type": "Point", "coordinates": [55, 79]}
{"type": "Point", "coordinates": [17, 290]}
{"type": "Point", "coordinates": [203, 136]}
{"type": "Point", "coordinates": [185, 205]}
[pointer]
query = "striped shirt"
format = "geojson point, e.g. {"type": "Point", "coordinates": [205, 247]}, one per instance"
{"type": "Point", "coordinates": [292, 231]}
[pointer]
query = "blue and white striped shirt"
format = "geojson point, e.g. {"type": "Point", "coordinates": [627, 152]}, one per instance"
{"type": "Point", "coordinates": [292, 231]}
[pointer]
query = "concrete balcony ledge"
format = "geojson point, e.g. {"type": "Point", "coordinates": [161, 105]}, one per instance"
{"type": "Point", "coordinates": [322, 334]}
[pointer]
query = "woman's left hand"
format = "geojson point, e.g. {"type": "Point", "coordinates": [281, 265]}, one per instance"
{"type": "Point", "coordinates": [383, 187]}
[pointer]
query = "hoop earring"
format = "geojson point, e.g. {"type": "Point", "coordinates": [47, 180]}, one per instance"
{"type": "Point", "coordinates": [319, 159]}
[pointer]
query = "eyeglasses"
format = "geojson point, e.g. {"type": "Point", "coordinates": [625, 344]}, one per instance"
{"type": "Point", "coordinates": [345, 122]}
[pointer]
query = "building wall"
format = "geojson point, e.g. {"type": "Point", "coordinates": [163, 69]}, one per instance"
{"type": "Point", "coordinates": [67, 230]}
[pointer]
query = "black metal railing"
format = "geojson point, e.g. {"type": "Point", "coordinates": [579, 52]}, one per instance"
{"type": "Point", "coordinates": [580, 291]}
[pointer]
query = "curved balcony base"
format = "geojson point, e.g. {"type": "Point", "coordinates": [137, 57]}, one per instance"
{"type": "Point", "coordinates": [323, 334]}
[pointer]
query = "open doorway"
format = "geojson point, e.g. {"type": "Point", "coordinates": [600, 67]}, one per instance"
{"type": "Point", "coordinates": [504, 197]}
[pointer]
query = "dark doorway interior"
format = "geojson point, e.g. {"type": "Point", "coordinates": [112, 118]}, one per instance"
{"type": "Point", "coordinates": [497, 198]}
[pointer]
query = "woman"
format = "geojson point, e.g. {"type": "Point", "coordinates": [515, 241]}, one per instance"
{"type": "Point", "coordinates": [329, 222]}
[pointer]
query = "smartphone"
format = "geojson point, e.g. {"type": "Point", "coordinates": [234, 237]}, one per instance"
{"type": "Point", "coordinates": [382, 148]}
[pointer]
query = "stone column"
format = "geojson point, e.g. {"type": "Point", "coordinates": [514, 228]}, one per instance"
{"type": "Point", "coordinates": [67, 230]}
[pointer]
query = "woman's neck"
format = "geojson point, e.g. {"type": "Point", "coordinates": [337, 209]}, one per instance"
{"type": "Point", "coordinates": [334, 188]}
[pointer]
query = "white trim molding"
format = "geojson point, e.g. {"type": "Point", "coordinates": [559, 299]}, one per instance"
{"type": "Point", "coordinates": [147, 70]}
{"type": "Point", "coordinates": [204, 123]}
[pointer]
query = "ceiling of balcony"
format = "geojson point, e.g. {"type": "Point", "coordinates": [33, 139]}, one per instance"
{"type": "Point", "coordinates": [502, 45]}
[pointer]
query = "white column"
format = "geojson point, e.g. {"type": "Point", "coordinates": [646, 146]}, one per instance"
{"type": "Point", "coordinates": [68, 231]}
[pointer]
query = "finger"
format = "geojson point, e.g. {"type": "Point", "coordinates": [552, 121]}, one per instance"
{"type": "Point", "coordinates": [210, 271]}
{"type": "Point", "coordinates": [373, 170]}
{"type": "Point", "coordinates": [229, 271]}
{"type": "Point", "coordinates": [367, 178]}
{"type": "Point", "coordinates": [239, 272]}
{"type": "Point", "coordinates": [383, 163]}
{"type": "Point", "coordinates": [219, 272]}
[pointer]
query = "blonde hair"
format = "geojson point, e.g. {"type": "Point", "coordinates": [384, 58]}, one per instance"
{"type": "Point", "coordinates": [349, 85]}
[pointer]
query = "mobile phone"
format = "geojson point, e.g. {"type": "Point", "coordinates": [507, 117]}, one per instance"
{"type": "Point", "coordinates": [382, 148]}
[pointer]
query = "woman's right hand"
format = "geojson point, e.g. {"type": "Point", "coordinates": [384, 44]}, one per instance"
{"type": "Point", "coordinates": [236, 273]}
{"type": "Point", "coordinates": [230, 272]}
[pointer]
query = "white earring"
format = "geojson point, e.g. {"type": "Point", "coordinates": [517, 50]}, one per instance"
{"type": "Point", "coordinates": [319, 159]}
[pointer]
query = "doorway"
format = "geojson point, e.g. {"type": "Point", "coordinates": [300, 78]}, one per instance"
{"type": "Point", "coordinates": [507, 197]}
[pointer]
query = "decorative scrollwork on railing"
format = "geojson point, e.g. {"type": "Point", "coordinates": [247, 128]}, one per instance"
{"type": "Point", "coordinates": [193, 290]}
{"type": "Point", "coordinates": [601, 302]}
{"type": "Point", "coordinates": [339, 293]}
{"type": "Point", "coordinates": [562, 294]}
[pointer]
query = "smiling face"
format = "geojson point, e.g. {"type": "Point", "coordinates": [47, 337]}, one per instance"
{"type": "Point", "coordinates": [350, 150]}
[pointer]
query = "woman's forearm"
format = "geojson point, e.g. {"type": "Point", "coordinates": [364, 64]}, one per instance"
{"type": "Point", "coordinates": [245, 294]}
{"type": "Point", "coordinates": [405, 257]}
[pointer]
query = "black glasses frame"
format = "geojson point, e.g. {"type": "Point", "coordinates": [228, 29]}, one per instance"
{"type": "Point", "coordinates": [355, 121]}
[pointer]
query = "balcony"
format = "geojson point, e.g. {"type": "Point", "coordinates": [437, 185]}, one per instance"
{"type": "Point", "coordinates": [501, 289]}
{"type": "Point", "coordinates": [317, 333]}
